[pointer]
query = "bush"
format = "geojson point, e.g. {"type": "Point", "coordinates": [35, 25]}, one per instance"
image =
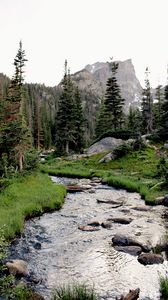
{"type": "Point", "coordinates": [122, 150]}
{"type": "Point", "coordinates": [162, 169]}
{"type": "Point", "coordinates": [31, 160]}
{"type": "Point", "coordinates": [75, 292]}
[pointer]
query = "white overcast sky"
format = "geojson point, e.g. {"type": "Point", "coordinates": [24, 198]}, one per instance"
{"type": "Point", "coordinates": [84, 32]}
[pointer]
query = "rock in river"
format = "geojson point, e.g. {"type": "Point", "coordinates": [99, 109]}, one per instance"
{"type": "Point", "coordinates": [133, 250]}
{"type": "Point", "coordinates": [121, 240]}
{"type": "Point", "coordinates": [17, 267]}
{"type": "Point", "coordinates": [120, 220]}
{"type": "Point", "coordinates": [150, 258]}
{"type": "Point", "coordinates": [88, 228]}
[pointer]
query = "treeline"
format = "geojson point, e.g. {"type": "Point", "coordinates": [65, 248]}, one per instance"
{"type": "Point", "coordinates": [33, 116]}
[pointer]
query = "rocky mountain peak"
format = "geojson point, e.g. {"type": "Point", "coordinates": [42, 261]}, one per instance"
{"type": "Point", "coordinates": [94, 77]}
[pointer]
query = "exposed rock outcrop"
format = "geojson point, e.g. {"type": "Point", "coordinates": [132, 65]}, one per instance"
{"type": "Point", "coordinates": [104, 145]}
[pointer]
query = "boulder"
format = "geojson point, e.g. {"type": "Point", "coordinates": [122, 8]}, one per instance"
{"type": "Point", "coordinates": [121, 240]}
{"type": "Point", "coordinates": [88, 228]}
{"type": "Point", "coordinates": [133, 250]}
{"type": "Point", "coordinates": [150, 258]}
{"type": "Point", "coordinates": [123, 220]}
{"type": "Point", "coordinates": [132, 295]}
{"type": "Point", "coordinates": [17, 267]}
{"type": "Point", "coordinates": [104, 145]}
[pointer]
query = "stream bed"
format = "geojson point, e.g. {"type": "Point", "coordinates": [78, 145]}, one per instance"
{"type": "Point", "coordinates": [59, 253]}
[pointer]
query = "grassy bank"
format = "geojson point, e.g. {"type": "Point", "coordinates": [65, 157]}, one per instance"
{"type": "Point", "coordinates": [26, 197]}
{"type": "Point", "coordinates": [135, 172]}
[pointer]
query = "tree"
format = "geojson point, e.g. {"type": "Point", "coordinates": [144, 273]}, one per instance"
{"type": "Point", "coordinates": [103, 120]}
{"type": "Point", "coordinates": [111, 115]}
{"type": "Point", "coordinates": [157, 108]}
{"type": "Point", "coordinates": [69, 119]}
{"type": "Point", "coordinates": [79, 121]}
{"type": "Point", "coordinates": [164, 115]}
{"type": "Point", "coordinates": [16, 136]}
{"type": "Point", "coordinates": [147, 106]}
{"type": "Point", "coordinates": [64, 119]}
{"type": "Point", "coordinates": [113, 100]}
{"type": "Point", "coordinates": [134, 121]}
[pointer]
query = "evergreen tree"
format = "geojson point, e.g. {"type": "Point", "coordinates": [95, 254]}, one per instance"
{"type": "Point", "coordinates": [111, 115]}
{"type": "Point", "coordinates": [157, 108]}
{"type": "Point", "coordinates": [147, 107]}
{"type": "Point", "coordinates": [16, 137]}
{"type": "Point", "coordinates": [164, 116]}
{"type": "Point", "coordinates": [65, 130]}
{"type": "Point", "coordinates": [78, 121]}
{"type": "Point", "coordinates": [113, 100]}
{"type": "Point", "coordinates": [103, 120]}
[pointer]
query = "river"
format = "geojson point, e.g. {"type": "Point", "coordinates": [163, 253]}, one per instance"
{"type": "Point", "coordinates": [58, 252]}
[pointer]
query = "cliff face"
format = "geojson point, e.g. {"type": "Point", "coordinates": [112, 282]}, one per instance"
{"type": "Point", "coordinates": [94, 77]}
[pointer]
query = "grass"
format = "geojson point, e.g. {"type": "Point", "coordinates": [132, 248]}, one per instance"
{"type": "Point", "coordinates": [75, 292]}
{"type": "Point", "coordinates": [135, 172]}
{"type": "Point", "coordinates": [30, 196]}
{"type": "Point", "coordinates": [164, 288]}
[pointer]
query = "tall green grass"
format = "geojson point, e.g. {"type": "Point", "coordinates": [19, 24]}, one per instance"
{"type": "Point", "coordinates": [27, 197]}
{"type": "Point", "coordinates": [74, 292]}
{"type": "Point", "coordinates": [135, 172]}
{"type": "Point", "coordinates": [164, 288]}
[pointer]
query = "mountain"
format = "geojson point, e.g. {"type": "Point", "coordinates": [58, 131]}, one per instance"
{"type": "Point", "coordinates": [93, 78]}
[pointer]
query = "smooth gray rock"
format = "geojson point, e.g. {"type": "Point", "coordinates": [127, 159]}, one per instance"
{"type": "Point", "coordinates": [132, 250]}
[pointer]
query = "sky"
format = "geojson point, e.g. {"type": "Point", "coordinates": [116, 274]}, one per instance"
{"type": "Point", "coordinates": [84, 32]}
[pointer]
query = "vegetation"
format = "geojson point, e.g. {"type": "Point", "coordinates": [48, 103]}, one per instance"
{"type": "Point", "coordinates": [147, 107]}
{"type": "Point", "coordinates": [69, 118]}
{"type": "Point", "coordinates": [111, 111]}
{"type": "Point", "coordinates": [26, 197]}
{"type": "Point", "coordinates": [75, 292]}
{"type": "Point", "coordinates": [164, 288]}
{"type": "Point", "coordinates": [136, 171]}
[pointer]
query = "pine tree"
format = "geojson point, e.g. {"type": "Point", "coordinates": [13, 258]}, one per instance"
{"type": "Point", "coordinates": [78, 121]}
{"type": "Point", "coordinates": [157, 108]}
{"type": "Point", "coordinates": [113, 100]}
{"type": "Point", "coordinates": [103, 120]}
{"type": "Point", "coordinates": [16, 136]}
{"type": "Point", "coordinates": [147, 107]}
{"type": "Point", "coordinates": [110, 117]}
{"type": "Point", "coordinates": [164, 116]}
{"type": "Point", "coordinates": [65, 130]}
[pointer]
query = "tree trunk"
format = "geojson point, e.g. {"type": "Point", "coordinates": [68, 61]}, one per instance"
{"type": "Point", "coordinates": [20, 162]}
{"type": "Point", "coordinates": [67, 147]}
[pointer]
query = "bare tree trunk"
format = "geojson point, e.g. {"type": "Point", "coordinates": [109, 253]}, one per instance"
{"type": "Point", "coordinates": [67, 147]}
{"type": "Point", "coordinates": [20, 162]}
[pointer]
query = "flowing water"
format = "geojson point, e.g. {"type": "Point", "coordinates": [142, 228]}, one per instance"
{"type": "Point", "coordinates": [58, 252]}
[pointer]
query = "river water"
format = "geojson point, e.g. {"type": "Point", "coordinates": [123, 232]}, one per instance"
{"type": "Point", "coordinates": [59, 253]}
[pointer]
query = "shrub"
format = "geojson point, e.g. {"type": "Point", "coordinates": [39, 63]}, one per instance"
{"type": "Point", "coordinates": [122, 150]}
